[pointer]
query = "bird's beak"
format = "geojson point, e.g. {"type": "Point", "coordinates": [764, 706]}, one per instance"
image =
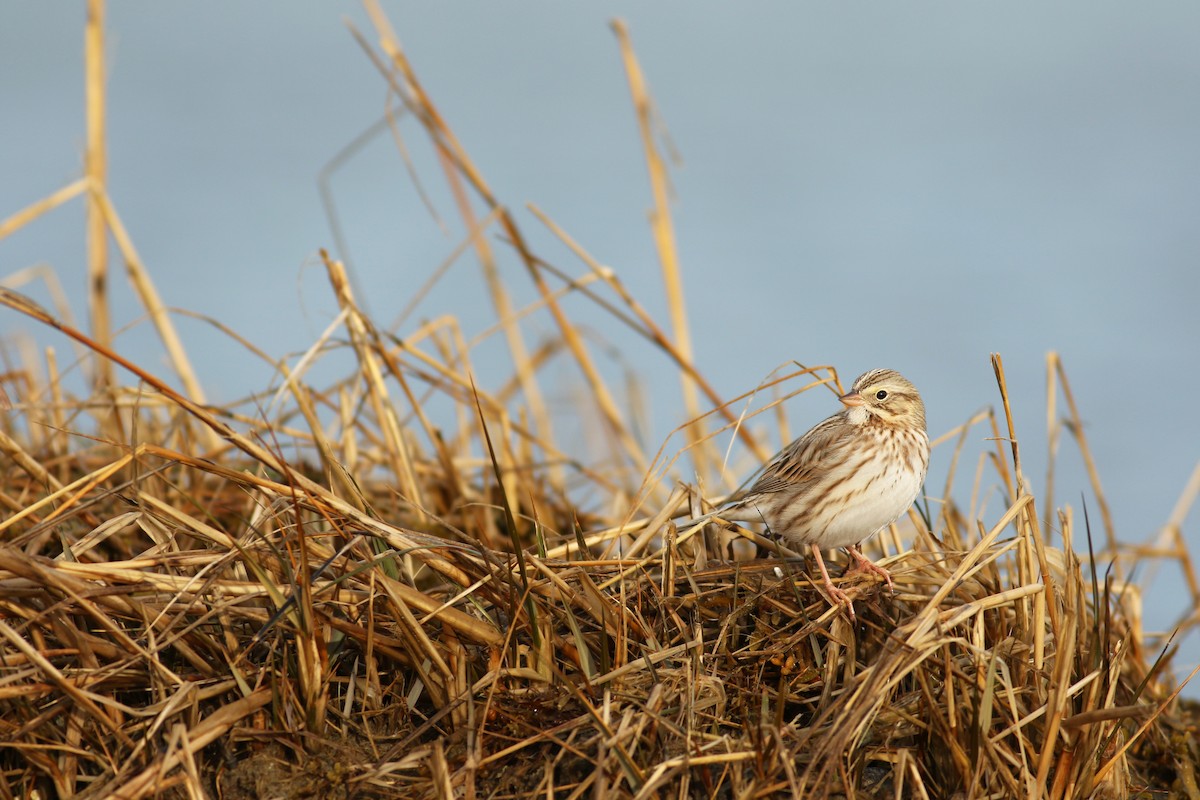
{"type": "Point", "coordinates": [852, 400]}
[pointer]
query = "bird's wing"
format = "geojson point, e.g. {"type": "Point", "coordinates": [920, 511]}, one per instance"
{"type": "Point", "coordinates": [804, 460]}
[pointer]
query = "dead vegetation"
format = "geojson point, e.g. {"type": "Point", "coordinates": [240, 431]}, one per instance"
{"type": "Point", "coordinates": [390, 587]}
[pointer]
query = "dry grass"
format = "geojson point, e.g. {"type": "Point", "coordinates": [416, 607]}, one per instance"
{"type": "Point", "coordinates": [392, 587]}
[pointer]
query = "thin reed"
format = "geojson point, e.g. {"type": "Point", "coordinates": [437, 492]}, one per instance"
{"type": "Point", "coordinates": [402, 584]}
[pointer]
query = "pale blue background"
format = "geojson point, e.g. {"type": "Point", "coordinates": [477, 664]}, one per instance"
{"type": "Point", "coordinates": [911, 185]}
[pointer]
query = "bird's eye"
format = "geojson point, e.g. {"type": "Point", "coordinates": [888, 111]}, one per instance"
{"type": "Point", "coordinates": [881, 395]}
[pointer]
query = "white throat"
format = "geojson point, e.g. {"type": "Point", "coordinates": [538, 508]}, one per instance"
{"type": "Point", "coordinates": [856, 415]}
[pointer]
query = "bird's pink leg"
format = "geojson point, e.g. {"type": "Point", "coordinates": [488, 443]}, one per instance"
{"type": "Point", "coordinates": [866, 565]}
{"type": "Point", "coordinates": [837, 594]}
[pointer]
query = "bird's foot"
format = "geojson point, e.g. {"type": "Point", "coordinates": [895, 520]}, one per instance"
{"type": "Point", "coordinates": [837, 595]}
{"type": "Point", "coordinates": [865, 564]}
{"type": "Point", "coordinates": [840, 598]}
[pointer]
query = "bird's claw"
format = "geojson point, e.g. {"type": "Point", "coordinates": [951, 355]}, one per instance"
{"type": "Point", "coordinates": [865, 564]}
{"type": "Point", "coordinates": [840, 598]}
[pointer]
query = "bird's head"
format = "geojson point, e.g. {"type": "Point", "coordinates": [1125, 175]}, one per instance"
{"type": "Point", "coordinates": [886, 396]}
